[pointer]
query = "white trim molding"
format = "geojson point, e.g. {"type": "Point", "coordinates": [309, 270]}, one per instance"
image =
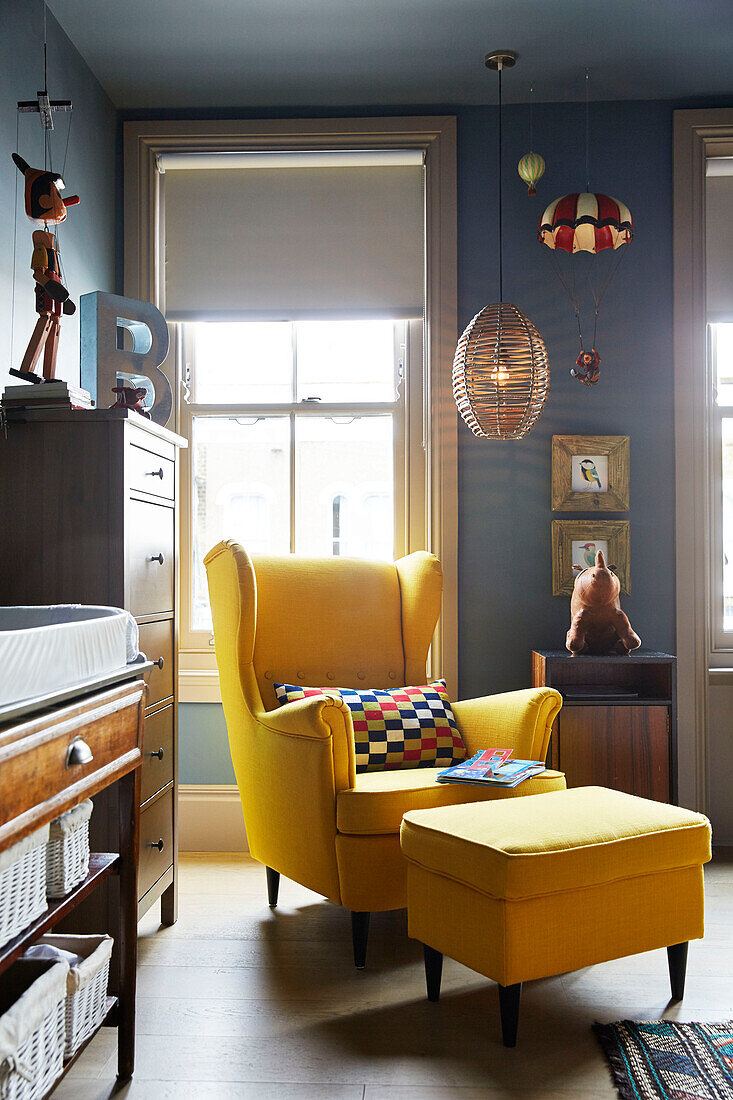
{"type": "Point", "coordinates": [210, 819]}
{"type": "Point", "coordinates": [198, 686]}
{"type": "Point", "coordinates": [697, 136]}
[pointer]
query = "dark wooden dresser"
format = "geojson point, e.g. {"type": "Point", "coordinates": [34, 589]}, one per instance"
{"type": "Point", "coordinates": [89, 500]}
{"type": "Point", "coordinates": [617, 726]}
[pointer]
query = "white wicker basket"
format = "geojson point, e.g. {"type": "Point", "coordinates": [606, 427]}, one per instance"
{"type": "Point", "coordinates": [86, 985]}
{"type": "Point", "coordinates": [67, 853]}
{"type": "Point", "coordinates": [32, 1029]}
{"type": "Point", "coordinates": [22, 884]}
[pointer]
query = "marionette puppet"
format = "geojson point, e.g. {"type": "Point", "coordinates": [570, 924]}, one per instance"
{"type": "Point", "coordinates": [45, 207]}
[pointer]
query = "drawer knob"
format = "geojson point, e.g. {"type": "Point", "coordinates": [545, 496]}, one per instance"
{"type": "Point", "coordinates": [159, 754]}
{"type": "Point", "coordinates": [157, 557]}
{"type": "Point", "coordinates": [155, 473]}
{"type": "Point", "coordinates": [78, 753]}
{"type": "Point", "coordinates": [160, 662]}
{"type": "Point", "coordinates": [157, 844]}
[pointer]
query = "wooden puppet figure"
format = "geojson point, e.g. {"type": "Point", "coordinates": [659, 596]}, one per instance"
{"type": "Point", "coordinates": [45, 206]}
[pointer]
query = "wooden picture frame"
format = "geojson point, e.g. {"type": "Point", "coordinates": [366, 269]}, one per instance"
{"type": "Point", "coordinates": [608, 456]}
{"type": "Point", "coordinates": [614, 533]}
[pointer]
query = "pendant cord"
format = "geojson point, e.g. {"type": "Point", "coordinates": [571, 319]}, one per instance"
{"type": "Point", "coordinates": [531, 94]}
{"type": "Point", "coordinates": [587, 131]}
{"type": "Point", "coordinates": [47, 159]}
{"type": "Point", "coordinates": [501, 252]}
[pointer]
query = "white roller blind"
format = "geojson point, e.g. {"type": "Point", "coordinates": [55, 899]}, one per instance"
{"type": "Point", "coordinates": [288, 235]}
{"type": "Point", "coordinates": [719, 243]}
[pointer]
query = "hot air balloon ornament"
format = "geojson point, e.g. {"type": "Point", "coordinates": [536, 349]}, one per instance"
{"type": "Point", "coordinates": [592, 223]}
{"type": "Point", "coordinates": [531, 168]}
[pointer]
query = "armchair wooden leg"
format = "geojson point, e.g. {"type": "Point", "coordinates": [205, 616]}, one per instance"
{"type": "Point", "coordinates": [677, 959]}
{"type": "Point", "coordinates": [359, 936]}
{"type": "Point", "coordinates": [273, 886]}
{"type": "Point", "coordinates": [433, 971]}
{"type": "Point", "coordinates": [509, 1008]}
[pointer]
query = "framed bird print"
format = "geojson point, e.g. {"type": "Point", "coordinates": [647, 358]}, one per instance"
{"type": "Point", "coordinates": [574, 546]}
{"type": "Point", "coordinates": [590, 473]}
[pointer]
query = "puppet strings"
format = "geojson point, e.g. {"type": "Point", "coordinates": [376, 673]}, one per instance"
{"type": "Point", "coordinates": [568, 282]}
{"type": "Point", "coordinates": [15, 246]}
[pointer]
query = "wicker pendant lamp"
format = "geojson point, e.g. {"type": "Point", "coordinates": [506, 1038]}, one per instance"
{"type": "Point", "coordinates": [501, 374]}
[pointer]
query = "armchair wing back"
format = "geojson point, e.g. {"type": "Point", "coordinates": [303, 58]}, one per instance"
{"type": "Point", "coordinates": [321, 622]}
{"type": "Point", "coordinates": [316, 622]}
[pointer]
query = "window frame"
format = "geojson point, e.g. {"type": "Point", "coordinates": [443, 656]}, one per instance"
{"type": "Point", "coordinates": [698, 135]}
{"type": "Point", "coordinates": [433, 424]}
{"type": "Point", "coordinates": [721, 641]}
{"type": "Point", "coordinates": [407, 341]}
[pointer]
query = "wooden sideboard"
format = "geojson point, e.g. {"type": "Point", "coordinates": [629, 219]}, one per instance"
{"type": "Point", "coordinates": [93, 500]}
{"type": "Point", "coordinates": [617, 727]}
{"type": "Point", "coordinates": [40, 780]}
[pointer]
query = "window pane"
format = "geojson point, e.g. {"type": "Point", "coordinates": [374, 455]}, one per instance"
{"type": "Point", "coordinates": [344, 483]}
{"type": "Point", "coordinates": [346, 360]}
{"type": "Point", "coordinates": [722, 344]}
{"type": "Point", "coordinates": [727, 426]}
{"type": "Point", "coordinates": [242, 363]}
{"type": "Point", "coordinates": [241, 490]}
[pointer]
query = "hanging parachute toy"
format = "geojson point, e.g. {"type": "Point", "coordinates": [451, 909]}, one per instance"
{"type": "Point", "coordinates": [531, 168]}
{"type": "Point", "coordinates": [590, 223]}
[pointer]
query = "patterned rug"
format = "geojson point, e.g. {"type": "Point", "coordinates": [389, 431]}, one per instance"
{"type": "Point", "coordinates": [663, 1060]}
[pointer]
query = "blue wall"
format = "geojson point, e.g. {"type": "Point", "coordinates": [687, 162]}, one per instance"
{"type": "Point", "coordinates": [506, 602]}
{"type": "Point", "coordinates": [505, 584]}
{"type": "Point", "coordinates": [87, 237]}
{"type": "Point", "coordinates": [203, 749]}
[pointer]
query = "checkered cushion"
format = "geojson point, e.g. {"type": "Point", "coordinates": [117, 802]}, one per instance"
{"type": "Point", "coordinates": [409, 727]}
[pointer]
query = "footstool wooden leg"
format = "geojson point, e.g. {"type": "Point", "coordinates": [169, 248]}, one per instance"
{"type": "Point", "coordinates": [677, 958]}
{"type": "Point", "coordinates": [433, 971]}
{"type": "Point", "coordinates": [509, 1008]}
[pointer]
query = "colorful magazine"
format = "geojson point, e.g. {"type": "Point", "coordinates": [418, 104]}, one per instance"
{"type": "Point", "coordinates": [492, 767]}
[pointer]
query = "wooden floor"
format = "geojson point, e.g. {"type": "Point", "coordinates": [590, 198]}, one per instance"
{"type": "Point", "coordinates": [236, 1001]}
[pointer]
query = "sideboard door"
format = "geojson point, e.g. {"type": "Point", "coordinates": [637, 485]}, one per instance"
{"type": "Point", "coordinates": [623, 747]}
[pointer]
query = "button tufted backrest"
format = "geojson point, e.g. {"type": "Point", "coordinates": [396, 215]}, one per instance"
{"type": "Point", "coordinates": [327, 621]}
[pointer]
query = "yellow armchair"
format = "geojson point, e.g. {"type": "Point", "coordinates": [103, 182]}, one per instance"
{"type": "Point", "coordinates": [342, 623]}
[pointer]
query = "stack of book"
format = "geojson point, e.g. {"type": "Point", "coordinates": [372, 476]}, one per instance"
{"type": "Point", "coordinates": [493, 768]}
{"type": "Point", "coordinates": [56, 394]}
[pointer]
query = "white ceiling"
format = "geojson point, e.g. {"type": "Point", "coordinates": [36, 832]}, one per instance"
{"type": "Point", "coordinates": [288, 53]}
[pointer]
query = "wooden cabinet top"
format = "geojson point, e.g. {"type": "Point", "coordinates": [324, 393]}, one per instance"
{"type": "Point", "coordinates": [640, 656]}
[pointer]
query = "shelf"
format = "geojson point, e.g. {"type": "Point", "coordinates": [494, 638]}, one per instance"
{"type": "Point", "coordinates": [101, 865]}
{"type": "Point", "coordinates": [110, 1003]}
{"type": "Point", "coordinates": [636, 657]}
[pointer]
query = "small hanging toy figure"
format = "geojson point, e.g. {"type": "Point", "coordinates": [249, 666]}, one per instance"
{"type": "Point", "coordinates": [587, 367]}
{"type": "Point", "coordinates": [45, 206]}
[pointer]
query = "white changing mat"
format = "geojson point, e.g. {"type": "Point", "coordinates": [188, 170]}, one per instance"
{"type": "Point", "coordinates": [45, 649]}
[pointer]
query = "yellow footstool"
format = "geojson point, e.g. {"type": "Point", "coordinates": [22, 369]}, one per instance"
{"type": "Point", "coordinates": [527, 888]}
